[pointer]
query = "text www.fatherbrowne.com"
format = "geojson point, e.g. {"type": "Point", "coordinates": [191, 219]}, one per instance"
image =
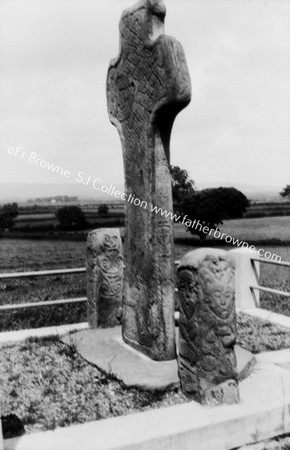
{"type": "Point", "coordinates": [194, 224]}
{"type": "Point", "coordinates": [216, 233]}
{"type": "Point", "coordinates": [97, 184]}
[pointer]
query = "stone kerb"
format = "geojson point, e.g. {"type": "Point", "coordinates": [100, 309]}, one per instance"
{"type": "Point", "coordinates": [104, 277]}
{"type": "Point", "coordinates": [207, 363]}
{"type": "Point", "coordinates": [247, 274]}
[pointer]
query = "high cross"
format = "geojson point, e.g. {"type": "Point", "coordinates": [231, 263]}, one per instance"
{"type": "Point", "coordinates": [147, 85]}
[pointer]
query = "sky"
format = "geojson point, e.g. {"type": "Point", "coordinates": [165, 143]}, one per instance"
{"type": "Point", "coordinates": [54, 57]}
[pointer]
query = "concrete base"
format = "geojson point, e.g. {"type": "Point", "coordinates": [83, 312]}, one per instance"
{"type": "Point", "coordinates": [264, 412]}
{"type": "Point", "coordinates": [270, 316]}
{"type": "Point", "coordinates": [280, 358]}
{"type": "Point", "coordinates": [106, 349]}
{"type": "Point", "coordinates": [21, 335]}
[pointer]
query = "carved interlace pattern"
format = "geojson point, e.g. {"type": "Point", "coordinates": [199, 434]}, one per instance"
{"type": "Point", "coordinates": [147, 85]}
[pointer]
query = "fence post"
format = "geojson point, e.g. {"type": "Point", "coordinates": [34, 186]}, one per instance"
{"type": "Point", "coordinates": [247, 274]}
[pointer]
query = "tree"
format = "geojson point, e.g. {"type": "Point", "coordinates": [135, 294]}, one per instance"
{"type": "Point", "coordinates": [103, 209]}
{"type": "Point", "coordinates": [71, 218]}
{"type": "Point", "coordinates": [286, 191]}
{"type": "Point", "coordinates": [212, 206]}
{"type": "Point", "coordinates": [8, 213]}
{"type": "Point", "coordinates": [182, 187]}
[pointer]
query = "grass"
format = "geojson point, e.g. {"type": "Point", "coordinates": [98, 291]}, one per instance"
{"type": "Point", "coordinates": [259, 231]}
{"type": "Point", "coordinates": [47, 384]}
{"type": "Point", "coordinates": [276, 277]}
{"type": "Point", "coordinates": [21, 255]}
{"type": "Point", "coordinates": [257, 335]}
{"type": "Point", "coordinates": [40, 289]}
{"type": "Point", "coordinates": [29, 255]}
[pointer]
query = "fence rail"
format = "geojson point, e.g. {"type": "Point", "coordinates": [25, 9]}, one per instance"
{"type": "Point", "coordinates": [45, 303]}
{"type": "Point", "coordinates": [44, 273]}
{"type": "Point", "coordinates": [270, 290]}
{"type": "Point", "coordinates": [41, 273]}
{"type": "Point", "coordinates": [247, 284]}
{"type": "Point", "coordinates": [269, 261]}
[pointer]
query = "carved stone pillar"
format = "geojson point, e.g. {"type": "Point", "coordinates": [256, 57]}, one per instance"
{"type": "Point", "coordinates": [207, 327]}
{"type": "Point", "coordinates": [104, 277]}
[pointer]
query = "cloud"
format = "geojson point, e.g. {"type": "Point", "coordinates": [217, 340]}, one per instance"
{"type": "Point", "coordinates": [54, 59]}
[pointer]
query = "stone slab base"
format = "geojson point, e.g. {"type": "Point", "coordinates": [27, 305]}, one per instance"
{"type": "Point", "coordinates": [106, 349]}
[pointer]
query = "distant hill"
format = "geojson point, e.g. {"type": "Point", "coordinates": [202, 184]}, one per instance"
{"type": "Point", "coordinates": [21, 192]}
{"type": "Point", "coordinates": [256, 193]}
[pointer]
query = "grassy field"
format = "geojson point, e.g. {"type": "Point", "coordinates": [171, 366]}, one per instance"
{"type": "Point", "coordinates": [42, 220]}
{"type": "Point", "coordinates": [268, 209]}
{"type": "Point", "coordinates": [266, 230]}
{"type": "Point", "coordinates": [259, 230]}
{"type": "Point", "coordinates": [27, 255]}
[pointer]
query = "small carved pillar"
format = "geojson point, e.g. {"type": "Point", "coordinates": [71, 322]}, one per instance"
{"type": "Point", "coordinates": [207, 327]}
{"type": "Point", "coordinates": [104, 277]}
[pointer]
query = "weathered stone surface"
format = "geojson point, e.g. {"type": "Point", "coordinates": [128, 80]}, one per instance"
{"type": "Point", "coordinates": [104, 277]}
{"type": "Point", "coordinates": [147, 85]}
{"type": "Point", "coordinates": [246, 362]}
{"type": "Point", "coordinates": [207, 326]}
{"type": "Point", "coordinates": [225, 393]}
{"type": "Point", "coordinates": [107, 350]}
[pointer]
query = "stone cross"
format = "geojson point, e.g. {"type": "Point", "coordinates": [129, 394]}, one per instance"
{"type": "Point", "coordinates": [104, 277]}
{"type": "Point", "coordinates": [147, 85]}
{"type": "Point", "coordinates": [207, 362]}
